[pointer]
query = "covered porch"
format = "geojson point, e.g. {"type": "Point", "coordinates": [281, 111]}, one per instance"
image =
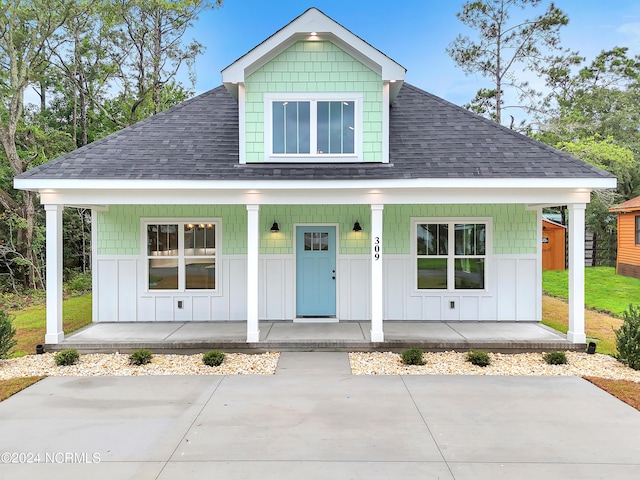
{"type": "Point", "coordinates": [193, 337]}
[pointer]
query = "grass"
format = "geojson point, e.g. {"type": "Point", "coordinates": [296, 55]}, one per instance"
{"type": "Point", "coordinates": [30, 323]}
{"type": "Point", "coordinates": [598, 326]}
{"type": "Point", "coordinates": [14, 385]}
{"type": "Point", "coordinates": [604, 291]}
{"type": "Point", "coordinates": [625, 390]}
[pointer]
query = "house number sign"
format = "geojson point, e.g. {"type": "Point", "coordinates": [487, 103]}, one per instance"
{"type": "Point", "coordinates": [376, 248]}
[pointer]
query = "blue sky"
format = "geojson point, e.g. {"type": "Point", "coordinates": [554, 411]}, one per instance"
{"type": "Point", "coordinates": [415, 33]}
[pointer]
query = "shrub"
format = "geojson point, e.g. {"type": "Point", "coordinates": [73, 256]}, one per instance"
{"type": "Point", "coordinates": [7, 332]}
{"type": "Point", "coordinates": [140, 357]}
{"type": "Point", "coordinates": [555, 358]}
{"type": "Point", "coordinates": [628, 338]}
{"type": "Point", "coordinates": [69, 356]}
{"type": "Point", "coordinates": [214, 358]}
{"type": "Point", "coordinates": [479, 358]}
{"type": "Point", "coordinates": [412, 356]}
{"type": "Point", "coordinates": [80, 282]}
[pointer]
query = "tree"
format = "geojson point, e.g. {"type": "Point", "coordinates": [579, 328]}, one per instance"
{"type": "Point", "coordinates": [25, 27]}
{"type": "Point", "coordinates": [503, 46]}
{"type": "Point", "coordinates": [151, 51]}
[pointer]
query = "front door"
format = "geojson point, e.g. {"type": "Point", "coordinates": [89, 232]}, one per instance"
{"type": "Point", "coordinates": [315, 271]}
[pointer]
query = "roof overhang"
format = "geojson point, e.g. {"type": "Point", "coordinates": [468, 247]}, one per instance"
{"type": "Point", "coordinates": [313, 25]}
{"type": "Point", "coordinates": [532, 192]}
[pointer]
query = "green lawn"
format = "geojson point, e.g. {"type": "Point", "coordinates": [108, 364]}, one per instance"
{"type": "Point", "coordinates": [30, 322]}
{"type": "Point", "coordinates": [604, 290]}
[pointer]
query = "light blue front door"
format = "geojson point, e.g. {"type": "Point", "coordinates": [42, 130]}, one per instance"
{"type": "Point", "coordinates": [315, 271]}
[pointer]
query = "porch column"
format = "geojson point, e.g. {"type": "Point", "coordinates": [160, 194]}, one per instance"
{"type": "Point", "coordinates": [377, 335]}
{"type": "Point", "coordinates": [253, 249]}
{"type": "Point", "coordinates": [576, 333]}
{"type": "Point", "coordinates": [54, 332]}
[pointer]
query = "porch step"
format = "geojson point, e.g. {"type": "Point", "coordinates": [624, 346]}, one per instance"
{"type": "Point", "coordinates": [190, 347]}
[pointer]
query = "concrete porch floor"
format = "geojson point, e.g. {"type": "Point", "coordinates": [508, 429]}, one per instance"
{"type": "Point", "coordinates": [191, 337]}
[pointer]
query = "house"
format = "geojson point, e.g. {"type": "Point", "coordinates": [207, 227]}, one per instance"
{"type": "Point", "coordinates": [628, 259]}
{"type": "Point", "coordinates": [553, 244]}
{"type": "Point", "coordinates": [315, 183]}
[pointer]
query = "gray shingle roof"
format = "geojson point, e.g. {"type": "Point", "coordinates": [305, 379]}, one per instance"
{"type": "Point", "coordinates": [429, 138]}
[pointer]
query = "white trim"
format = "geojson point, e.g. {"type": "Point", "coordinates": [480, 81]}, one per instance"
{"type": "Point", "coordinates": [576, 331]}
{"type": "Point", "coordinates": [539, 264]}
{"type": "Point", "coordinates": [581, 185]}
{"type": "Point", "coordinates": [300, 29]}
{"type": "Point", "coordinates": [253, 272]}
{"type": "Point", "coordinates": [54, 333]}
{"type": "Point", "coordinates": [385, 122]}
{"type": "Point", "coordinates": [242, 138]}
{"type": "Point", "coordinates": [181, 221]}
{"type": "Point", "coordinates": [451, 255]}
{"type": "Point", "coordinates": [95, 288]}
{"type": "Point", "coordinates": [313, 99]}
{"type": "Point", "coordinates": [377, 283]}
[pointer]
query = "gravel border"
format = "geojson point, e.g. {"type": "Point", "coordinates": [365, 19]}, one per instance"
{"type": "Point", "coordinates": [100, 364]}
{"type": "Point", "coordinates": [454, 363]}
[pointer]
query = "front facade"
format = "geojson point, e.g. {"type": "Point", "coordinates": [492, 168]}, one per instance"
{"type": "Point", "coordinates": [628, 257]}
{"type": "Point", "coordinates": [315, 185]}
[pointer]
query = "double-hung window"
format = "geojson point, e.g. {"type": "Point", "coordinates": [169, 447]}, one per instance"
{"type": "Point", "coordinates": [323, 127]}
{"type": "Point", "coordinates": [182, 255]}
{"type": "Point", "coordinates": [451, 255]}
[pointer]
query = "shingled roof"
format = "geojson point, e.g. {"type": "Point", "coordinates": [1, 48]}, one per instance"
{"type": "Point", "coordinates": [428, 138]}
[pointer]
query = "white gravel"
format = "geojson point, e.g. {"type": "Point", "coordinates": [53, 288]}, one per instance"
{"type": "Point", "coordinates": [453, 363]}
{"type": "Point", "coordinates": [118, 364]}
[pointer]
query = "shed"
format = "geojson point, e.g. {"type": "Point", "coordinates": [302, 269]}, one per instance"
{"type": "Point", "coordinates": [628, 258]}
{"type": "Point", "coordinates": [553, 245]}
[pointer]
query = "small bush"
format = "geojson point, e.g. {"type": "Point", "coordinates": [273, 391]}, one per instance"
{"type": "Point", "coordinates": [69, 356]}
{"type": "Point", "coordinates": [628, 338]}
{"type": "Point", "coordinates": [7, 332]}
{"type": "Point", "coordinates": [214, 358]}
{"type": "Point", "coordinates": [140, 357]}
{"type": "Point", "coordinates": [555, 358]}
{"type": "Point", "coordinates": [479, 358]}
{"type": "Point", "coordinates": [412, 356]}
{"type": "Point", "coordinates": [80, 282]}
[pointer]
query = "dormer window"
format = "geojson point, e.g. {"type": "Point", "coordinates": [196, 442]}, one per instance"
{"type": "Point", "coordinates": [321, 127]}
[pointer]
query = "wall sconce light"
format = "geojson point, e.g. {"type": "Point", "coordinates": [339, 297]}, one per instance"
{"type": "Point", "coordinates": [275, 227]}
{"type": "Point", "coordinates": [357, 227]}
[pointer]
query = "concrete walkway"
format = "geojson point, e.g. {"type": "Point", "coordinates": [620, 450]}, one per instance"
{"type": "Point", "coordinates": [318, 426]}
{"type": "Point", "coordinates": [187, 337]}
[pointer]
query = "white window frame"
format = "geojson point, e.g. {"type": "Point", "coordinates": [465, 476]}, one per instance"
{"type": "Point", "coordinates": [451, 256]}
{"type": "Point", "coordinates": [313, 99]}
{"type": "Point", "coordinates": [181, 222]}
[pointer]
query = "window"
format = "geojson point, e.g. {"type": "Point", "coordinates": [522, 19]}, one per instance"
{"type": "Point", "coordinates": [450, 255]}
{"type": "Point", "coordinates": [326, 127]}
{"type": "Point", "coordinates": [182, 256]}
{"type": "Point", "coordinates": [637, 229]}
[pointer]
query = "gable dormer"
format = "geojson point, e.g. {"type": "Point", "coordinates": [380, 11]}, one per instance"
{"type": "Point", "coordinates": [313, 93]}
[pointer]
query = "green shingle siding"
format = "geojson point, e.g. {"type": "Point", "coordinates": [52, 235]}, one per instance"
{"type": "Point", "coordinates": [514, 228]}
{"type": "Point", "coordinates": [314, 67]}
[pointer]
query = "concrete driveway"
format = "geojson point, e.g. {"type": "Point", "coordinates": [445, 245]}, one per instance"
{"type": "Point", "coordinates": [318, 426]}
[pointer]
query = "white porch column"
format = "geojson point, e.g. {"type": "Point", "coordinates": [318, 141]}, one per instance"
{"type": "Point", "coordinates": [253, 250]}
{"type": "Point", "coordinates": [54, 333]}
{"type": "Point", "coordinates": [377, 335]}
{"type": "Point", "coordinates": [576, 333]}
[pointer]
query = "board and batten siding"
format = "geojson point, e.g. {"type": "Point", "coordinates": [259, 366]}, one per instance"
{"type": "Point", "coordinates": [513, 281]}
